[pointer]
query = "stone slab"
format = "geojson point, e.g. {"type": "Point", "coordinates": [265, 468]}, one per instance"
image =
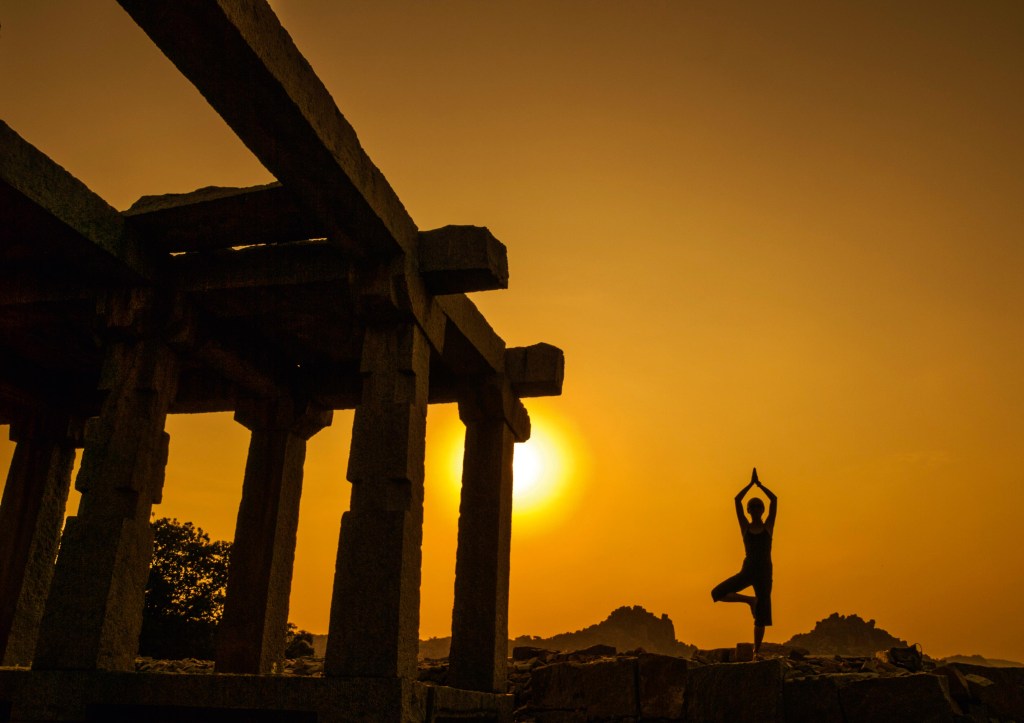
{"type": "Point", "coordinates": [812, 700]}
{"type": "Point", "coordinates": [599, 690]}
{"type": "Point", "coordinates": [1005, 697]}
{"type": "Point", "coordinates": [735, 692]}
{"type": "Point", "coordinates": [923, 698]}
{"type": "Point", "coordinates": [662, 686]}
{"type": "Point", "coordinates": [80, 696]}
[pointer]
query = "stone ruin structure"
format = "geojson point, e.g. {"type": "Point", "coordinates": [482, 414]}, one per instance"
{"type": "Point", "coordinates": [279, 303]}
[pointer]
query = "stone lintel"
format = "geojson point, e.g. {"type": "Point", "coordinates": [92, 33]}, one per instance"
{"type": "Point", "coordinates": [293, 264]}
{"type": "Point", "coordinates": [300, 135]}
{"type": "Point", "coordinates": [493, 399]}
{"type": "Point", "coordinates": [460, 259]}
{"type": "Point", "coordinates": [25, 389]}
{"type": "Point", "coordinates": [240, 58]}
{"type": "Point", "coordinates": [142, 311]}
{"type": "Point", "coordinates": [248, 373]}
{"type": "Point", "coordinates": [470, 344]}
{"type": "Point", "coordinates": [249, 364]}
{"type": "Point", "coordinates": [19, 289]}
{"type": "Point", "coordinates": [218, 217]}
{"type": "Point", "coordinates": [303, 419]}
{"type": "Point", "coordinates": [48, 425]}
{"type": "Point", "coordinates": [41, 194]}
{"type": "Point", "coordinates": [535, 371]}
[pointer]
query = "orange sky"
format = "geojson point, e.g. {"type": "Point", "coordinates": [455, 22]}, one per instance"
{"type": "Point", "coordinates": [777, 234]}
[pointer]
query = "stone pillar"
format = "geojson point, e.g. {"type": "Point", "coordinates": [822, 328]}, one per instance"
{"type": "Point", "coordinates": [31, 517]}
{"type": "Point", "coordinates": [251, 635]}
{"type": "Point", "coordinates": [94, 611]}
{"type": "Point", "coordinates": [374, 625]}
{"type": "Point", "coordinates": [479, 650]}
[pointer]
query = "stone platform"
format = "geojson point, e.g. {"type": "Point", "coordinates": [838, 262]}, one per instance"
{"type": "Point", "coordinates": [111, 697]}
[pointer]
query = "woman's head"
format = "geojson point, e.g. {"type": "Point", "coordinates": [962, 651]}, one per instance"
{"type": "Point", "coordinates": [755, 507]}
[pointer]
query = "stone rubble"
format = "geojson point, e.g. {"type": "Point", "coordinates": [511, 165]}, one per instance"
{"type": "Point", "coordinates": [787, 685]}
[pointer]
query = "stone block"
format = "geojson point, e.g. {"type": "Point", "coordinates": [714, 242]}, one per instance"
{"type": "Point", "coordinates": [736, 692]}
{"type": "Point", "coordinates": [744, 653]}
{"type": "Point", "coordinates": [526, 652]}
{"type": "Point", "coordinates": [457, 259]}
{"type": "Point", "coordinates": [601, 690]}
{"type": "Point", "coordinates": [449, 703]}
{"type": "Point", "coordinates": [717, 655]}
{"type": "Point", "coordinates": [662, 686]}
{"type": "Point", "coordinates": [535, 371]}
{"type": "Point", "coordinates": [921, 697]}
{"type": "Point", "coordinates": [812, 700]}
{"type": "Point", "coordinates": [597, 650]}
{"type": "Point", "coordinates": [1004, 697]}
{"type": "Point", "coordinates": [559, 716]}
{"type": "Point", "coordinates": [959, 686]}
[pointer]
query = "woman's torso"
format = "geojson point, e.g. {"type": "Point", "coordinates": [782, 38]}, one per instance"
{"type": "Point", "coordinates": [758, 546]}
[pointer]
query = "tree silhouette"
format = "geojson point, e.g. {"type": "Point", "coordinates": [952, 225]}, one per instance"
{"type": "Point", "coordinates": [184, 593]}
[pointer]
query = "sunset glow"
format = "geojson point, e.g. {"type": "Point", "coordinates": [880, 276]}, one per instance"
{"type": "Point", "coordinates": [783, 236]}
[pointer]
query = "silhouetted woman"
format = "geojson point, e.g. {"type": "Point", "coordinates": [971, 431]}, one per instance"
{"type": "Point", "coordinates": [757, 565]}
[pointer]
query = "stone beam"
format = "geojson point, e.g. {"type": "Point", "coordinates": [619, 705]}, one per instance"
{"type": "Point", "coordinates": [291, 264]}
{"type": "Point", "coordinates": [535, 371]}
{"type": "Point", "coordinates": [246, 66]}
{"type": "Point", "coordinates": [470, 344]}
{"type": "Point", "coordinates": [452, 259]}
{"type": "Point", "coordinates": [238, 356]}
{"type": "Point", "coordinates": [240, 58]}
{"type": "Point", "coordinates": [217, 218]}
{"type": "Point", "coordinates": [46, 209]}
{"type": "Point", "coordinates": [18, 288]}
{"type": "Point", "coordinates": [25, 388]}
{"type": "Point", "coordinates": [460, 259]}
{"type": "Point", "coordinates": [200, 391]}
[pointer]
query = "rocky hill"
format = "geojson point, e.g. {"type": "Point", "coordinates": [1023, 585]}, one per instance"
{"type": "Point", "coordinates": [626, 628]}
{"type": "Point", "coordinates": [983, 661]}
{"type": "Point", "coordinates": [845, 635]}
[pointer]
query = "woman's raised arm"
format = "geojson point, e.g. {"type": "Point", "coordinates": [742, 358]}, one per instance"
{"type": "Point", "coordinates": [773, 506]}
{"type": "Point", "coordinates": [740, 517]}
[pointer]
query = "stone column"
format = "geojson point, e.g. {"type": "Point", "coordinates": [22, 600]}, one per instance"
{"type": "Point", "coordinates": [94, 611]}
{"type": "Point", "coordinates": [31, 517]}
{"type": "Point", "coordinates": [374, 626]}
{"type": "Point", "coordinates": [479, 650]}
{"type": "Point", "coordinates": [251, 635]}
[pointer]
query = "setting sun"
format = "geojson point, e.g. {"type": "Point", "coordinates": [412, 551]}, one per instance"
{"type": "Point", "coordinates": [546, 471]}
{"type": "Point", "coordinates": [540, 468]}
{"type": "Point", "coordinates": [782, 235]}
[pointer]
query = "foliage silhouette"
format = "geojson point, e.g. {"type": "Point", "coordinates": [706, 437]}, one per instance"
{"type": "Point", "coordinates": [184, 593]}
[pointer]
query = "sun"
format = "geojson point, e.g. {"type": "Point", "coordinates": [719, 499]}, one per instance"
{"type": "Point", "coordinates": [546, 472]}
{"type": "Point", "coordinates": [539, 469]}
